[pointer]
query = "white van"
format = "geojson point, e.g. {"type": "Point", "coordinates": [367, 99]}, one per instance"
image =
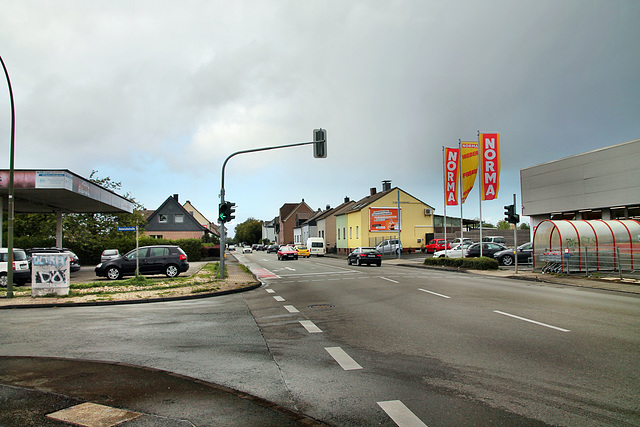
{"type": "Point", "coordinates": [316, 246]}
{"type": "Point", "coordinates": [21, 270]}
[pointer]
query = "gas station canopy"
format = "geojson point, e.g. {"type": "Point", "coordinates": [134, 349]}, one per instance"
{"type": "Point", "coordinates": [55, 190]}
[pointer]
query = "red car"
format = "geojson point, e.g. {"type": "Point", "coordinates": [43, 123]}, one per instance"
{"type": "Point", "coordinates": [436, 245]}
{"type": "Point", "coordinates": [287, 252]}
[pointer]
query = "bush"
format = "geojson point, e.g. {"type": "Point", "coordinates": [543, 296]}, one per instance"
{"type": "Point", "coordinates": [483, 263]}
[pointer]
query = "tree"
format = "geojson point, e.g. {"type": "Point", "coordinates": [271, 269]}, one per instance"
{"type": "Point", "coordinates": [503, 225]}
{"type": "Point", "coordinates": [249, 231]}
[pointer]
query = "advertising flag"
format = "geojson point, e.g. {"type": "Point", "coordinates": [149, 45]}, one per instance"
{"type": "Point", "coordinates": [469, 158]}
{"type": "Point", "coordinates": [452, 162]}
{"type": "Point", "coordinates": [490, 165]}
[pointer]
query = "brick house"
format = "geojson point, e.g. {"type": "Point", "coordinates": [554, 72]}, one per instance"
{"type": "Point", "coordinates": [291, 216]}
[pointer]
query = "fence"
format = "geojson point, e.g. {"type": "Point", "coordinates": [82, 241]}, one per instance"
{"type": "Point", "coordinates": [615, 261]}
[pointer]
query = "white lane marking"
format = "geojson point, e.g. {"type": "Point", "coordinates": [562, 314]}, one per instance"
{"type": "Point", "coordinates": [433, 293]}
{"type": "Point", "coordinates": [343, 359]}
{"type": "Point", "coordinates": [291, 309]}
{"type": "Point", "coordinates": [277, 298]}
{"type": "Point", "coordinates": [389, 279]}
{"type": "Point", "coordinates": [289, 268]}
{"type": "Point", "coordinates": [532, 321]}
{"type": "Point", "coordinates": [310, 326]}
{"type": "Point", "coordinates": [400, 414]}
{"type": "Point", "coordinates": [317, 274]}
{"type": "Point", "coordinates": [271, 291]}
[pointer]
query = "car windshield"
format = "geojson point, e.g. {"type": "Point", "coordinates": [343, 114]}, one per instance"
{"type": "Point", "coordinates": [302, 248]}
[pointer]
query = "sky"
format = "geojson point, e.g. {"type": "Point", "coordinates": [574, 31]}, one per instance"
{"type": "Point", "coordinates": [157, 94]}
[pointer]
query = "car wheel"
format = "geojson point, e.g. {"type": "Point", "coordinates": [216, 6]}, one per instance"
{"type": "Point", "coordinates": [171, 270]}
{"type": "Point", "coordinates": [3, 280]}
{"type": "Point", "coordinates": [379, 264]}
{"type": "Point", "coordinates": [348, 261]}
{"type": "Point", "coordinates": [296, 257]}
{"type": "Point", "coordinates": [113, 273]}
{"type": "Point", "coordinates": [506, 260]}
{"type": "Point", "coordinates": [358, 262]}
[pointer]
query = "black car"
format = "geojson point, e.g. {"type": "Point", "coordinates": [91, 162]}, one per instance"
{"type": "Point", "coordinates": [273, 248]}
{"type": "Point", "coordinates": [160, 259]}
{"type": "Point", "coordinates": [74, 261]}
{"type": "Point", "coordinates": [367, 256]}
{"type": "Point", "coordinates": [507, 257]}
{"type": "Point", "coordinates": [488, 249]}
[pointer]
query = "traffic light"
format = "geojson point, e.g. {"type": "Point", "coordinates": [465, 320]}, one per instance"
{"type": "Point", "coordinates": [510, 214]}
{"type": "Point", "coordinates": [226, 211]}
{"type": "Point", "coordinates": [320, 146]}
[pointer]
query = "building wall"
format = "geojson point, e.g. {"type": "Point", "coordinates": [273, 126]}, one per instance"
{"type": "Point", "coordinates": [414, 223]}
{"type": "Point", "coordinates": [341, 226]}
{"type": "Point", "coordinates": [174, 235]}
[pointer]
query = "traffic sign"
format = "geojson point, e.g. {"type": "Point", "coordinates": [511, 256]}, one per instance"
{"type": "Point", "coordinates": [127, 228]}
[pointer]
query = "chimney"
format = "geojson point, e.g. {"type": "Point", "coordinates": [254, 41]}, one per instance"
{"type": "Point", "coordinates": [372, 190]}
{"type": "Point", "coordinates": [175, 196]}
{"type": "Point", "coordinates": [328, 207]}
{"type": "Point", "coordinates": [386, 185]}
{"type": "Point", "coordinates": [346, 200]}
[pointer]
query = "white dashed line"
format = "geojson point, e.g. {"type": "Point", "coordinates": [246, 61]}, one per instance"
{"type": "Point", "coordinates": [433, 293]}
{"type": "Point", "coordinates": [278, 298]}
{"type": "Point", "coordinates": [310, 326]}
{"type": "Point", "coordinates": [400, 414]}
{"type": "Point", "coordinates": [389, 279]}
{"type": "Point", "coordinates": [271, 291]}
{"type": "Point", "coordinates": [532, 321]}
{"type": "Point", "coordinates": [291, 309]}
{"type": "Point", "coordinates": [343, 359]}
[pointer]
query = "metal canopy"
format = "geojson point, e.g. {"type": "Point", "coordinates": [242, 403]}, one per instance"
{"type": "Point", "coordinates": [59, 190]}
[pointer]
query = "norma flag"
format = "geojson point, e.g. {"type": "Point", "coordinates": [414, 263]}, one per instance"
{"type": "Point", "coordinates": [490, 164]}
{"type": "Point", "coordinates": [469, 162]}
{"type": "Point", "coordinates": [452, 165]}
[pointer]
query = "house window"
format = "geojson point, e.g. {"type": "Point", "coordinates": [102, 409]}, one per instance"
{"type": "Point", "coordinates": [344, 233]}
{"type": "Point", "coordinates": [162, 218]}
{"type": "Point", "coordinates": [357, 232]}
{"type": "Point", "coordinates": [350, 232]}
{"type": "Point", "coordinates": [179, 218]}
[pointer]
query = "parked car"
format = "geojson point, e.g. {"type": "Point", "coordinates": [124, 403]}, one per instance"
{"type": "Point", "coordinates": [494, 239]}
{"type": "Point", "coordinates": [488, 249]}
{"type": "Point", "coordinates": [21, 269]}
{"type": "Point", "coordinates": [74, 261]}
{"type": "Point", "coordinates": [109, 254]}
{"type": "Point", "coordinates": [436, 245]}
{"type": "Point", "coordinates": [287, 252]}
{"type": "Point", "coordinates": [361, 255]}
{"type": "Point", "coordinates": [159, 259]}
{"type": "Point", "coordinates": [231, 248]}
{"type": "Point", "coordinates": [388, 246]}
{"type": "Point", "coordinates": [457, 241]}
{"type": "Point", "coordinates": [455, 252]}
{"type": "Point", "coordinates": [247, 250]}
{"type": "Point", "coordinates": [507, 257]}
{"type": "Point", "coordinates": [303, 251]}
{"type": "Point", "coordinates": [273, 248]}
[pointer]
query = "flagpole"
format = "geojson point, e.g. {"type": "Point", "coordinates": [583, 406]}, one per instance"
{"type": "Point", "coordinates": [481, 186]}
{"type": "Point", "coordinates": [461, 189]}
{"type": "Point", "coordinates": [444, 187]}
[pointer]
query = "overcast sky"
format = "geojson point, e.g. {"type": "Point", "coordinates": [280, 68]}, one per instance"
{"type": "Point", "coordinates": [156, 94]}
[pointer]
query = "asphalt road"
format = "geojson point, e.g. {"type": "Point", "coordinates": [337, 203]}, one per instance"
{"type": "Point", "coordinates": [376, 346]}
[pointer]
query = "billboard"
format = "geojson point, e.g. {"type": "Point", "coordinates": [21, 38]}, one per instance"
{"type": "Point", "coordinates": [384, 219]}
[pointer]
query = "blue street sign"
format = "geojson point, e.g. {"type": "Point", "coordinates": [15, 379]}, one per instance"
{"type": "Point", "coordinates": [127, 228]}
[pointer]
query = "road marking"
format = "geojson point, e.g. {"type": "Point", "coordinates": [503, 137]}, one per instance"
{"type": "Point", "coordinates": [310, 326]}
{"type": "Point", "coordinates": [271, 291]}
{"type": "Point", "coordinates": [532, 321]}
{"type": "Point", "coordinates": [277, 298]}
{"type": "Point", "coordinates": [317, 274]}
{"type": "Point", "coordinates": [291, 309]}
{"type": "Point", "coordinates": [343, 359]}
{"type": "Point", "coordinates": [389, 279]}
{"type": "Point", "coordinates": [289, 268]}
{"type": "Point", "coordinates": [433, 293]}
{"type": "Point", "coordinates": [400, 414]}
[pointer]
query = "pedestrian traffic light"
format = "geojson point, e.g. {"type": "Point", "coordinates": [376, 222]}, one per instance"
{"type": "Point", "coordinates": [320, 143]}
{"type": "Point", "coordinates": [226, 211]}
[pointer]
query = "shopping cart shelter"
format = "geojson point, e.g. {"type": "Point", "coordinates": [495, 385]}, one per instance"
{"type": "Point", "coordinates": [587, 246]}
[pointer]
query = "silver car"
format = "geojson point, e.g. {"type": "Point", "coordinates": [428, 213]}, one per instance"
{"type": "Point", "coordinates": [109, 254]}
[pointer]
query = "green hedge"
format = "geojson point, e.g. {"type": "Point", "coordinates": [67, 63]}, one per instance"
{"type": "Point", "coordinates": [483, 263]}
{"type": "Point", "coordinates": [89, 252]}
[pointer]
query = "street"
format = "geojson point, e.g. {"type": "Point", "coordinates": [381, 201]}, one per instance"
{"type": "Point", "coordinates": [386, 345]}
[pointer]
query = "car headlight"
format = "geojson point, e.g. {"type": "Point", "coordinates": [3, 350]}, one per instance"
{"type": "Point", "coordinates": [99, 265]}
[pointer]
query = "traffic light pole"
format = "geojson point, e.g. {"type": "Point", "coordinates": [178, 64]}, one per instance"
{"type": "Point", "coordinates": [223, 232]}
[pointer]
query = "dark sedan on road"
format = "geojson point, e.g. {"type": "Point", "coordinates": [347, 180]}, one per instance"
{"type": "Point", "coordinates": [367, 256]}
{"type": "Point", "coordinates": [507, 257]}
{"type": "Point", "coordinates": [488, 249]}
{"type": "Point", "coordinates": [287, 252]}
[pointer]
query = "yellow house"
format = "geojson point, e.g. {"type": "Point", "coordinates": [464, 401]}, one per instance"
{"type": "Point", "coordinates": [375, 219]}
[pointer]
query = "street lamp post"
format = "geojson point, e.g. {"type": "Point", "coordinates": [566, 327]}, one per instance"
{"type": "Point", "coordinates": [11, 190]}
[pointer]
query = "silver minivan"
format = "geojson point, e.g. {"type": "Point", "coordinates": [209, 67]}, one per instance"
{"type": "Point", "coordinates": [388, 246]}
